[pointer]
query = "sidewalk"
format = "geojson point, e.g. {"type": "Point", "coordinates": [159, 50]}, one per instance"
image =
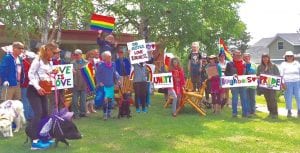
{"type": "Point", "coordinates": [281, 111]}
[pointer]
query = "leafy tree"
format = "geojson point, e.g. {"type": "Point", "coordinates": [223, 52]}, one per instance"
{"type": "Point", "coordinates": [25, 19]}
{"type": "Point", "coordinates": [177, 23]}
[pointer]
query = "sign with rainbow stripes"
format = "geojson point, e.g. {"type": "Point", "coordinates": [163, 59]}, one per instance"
{"type": "Point", "coordinates": [223, 49]}
{"type": "Point", "coordinates": [100, 22]}
{"type": "Point", "coordinates": [150, 71]}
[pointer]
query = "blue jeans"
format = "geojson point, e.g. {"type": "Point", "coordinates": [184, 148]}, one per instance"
{"type": "Point", "coordinates": [28, 113]}
{"type": "Point", "coordinates": [76, 95]}
{"type": "Point", "coordinates": [235, 97]}
{"type": "Point", "coordinates": [250, 97]}
{"type": "Point", "coordinates": [292, 88]}
{"type": "Point", "coordinates": [148, 100]}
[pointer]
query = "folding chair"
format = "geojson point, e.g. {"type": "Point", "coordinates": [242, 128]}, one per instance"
{"type": "Point", "coordinates": [193, 98]}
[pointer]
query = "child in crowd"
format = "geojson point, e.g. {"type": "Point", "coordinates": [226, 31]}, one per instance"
{"type": "Point", "coordinates": [214, 71]}
{"type": "Point", "coordinates": [178, 82]}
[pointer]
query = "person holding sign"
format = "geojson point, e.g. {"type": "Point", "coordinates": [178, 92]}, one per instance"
{"type": "Point", "coordinates": [40, 70]}
{"type": "Point", "coordinates": [290, 71]}
{"type": "Point", "coordinates": [80, 86]}
{"type": "Point", "coordinates": [266, 67]}
{"type": "Point", "coordinates": [214, 72]}
{"type": "Point", "coordinates": [250, 91]}
{"type": "Point", "coordinates": [178, 82]}
{"type": "Point", "coordinates": [107, 44]}
{"type": "Point", "coordinates": [140, 86]}
{"type": "Point", "coordinates": [235, 68]}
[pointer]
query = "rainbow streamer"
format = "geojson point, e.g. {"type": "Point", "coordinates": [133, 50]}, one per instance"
{"type": "Point", "coordinates": [88, 75]}
{"type": "Point", "coordinates": [224, 50]}
{"type": "Point", "coordinates": [100, 22]}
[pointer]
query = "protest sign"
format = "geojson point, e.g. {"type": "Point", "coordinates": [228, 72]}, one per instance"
{"type": "Point", "coordinates": [163, 80]}
{"type": "Point", "coordinates": [238, 81]}
{"type": "Point", "coordinates": [64, 78]}
{"type": "Point", "coordinates": [270, 81]}
{"type": "Point", "coordinates": [138, 52]}
{"type": "Point", "coordinates": [150, 71]}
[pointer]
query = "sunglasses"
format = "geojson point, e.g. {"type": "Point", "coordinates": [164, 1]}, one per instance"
{"type": "Point", "coordinates": [289, 56]}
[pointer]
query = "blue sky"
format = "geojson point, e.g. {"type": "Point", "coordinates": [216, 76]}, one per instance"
{"type": "Point", "coordinates": [266, 18]}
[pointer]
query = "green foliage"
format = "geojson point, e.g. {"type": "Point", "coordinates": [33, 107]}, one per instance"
{"type": "Point", "coordinates": [27, 19]}
{"type": "Point", "coordinates": [177, 23]}
{"type": "Point", "coordinates": [159, 132]}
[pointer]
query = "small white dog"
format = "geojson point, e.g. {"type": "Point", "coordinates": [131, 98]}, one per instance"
{"type": "Point", "coordinates": [11, 111]}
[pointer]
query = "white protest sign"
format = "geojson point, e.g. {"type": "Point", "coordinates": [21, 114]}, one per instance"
{"type": "Point", "coordinates": [151, 46]}
{"type": "Point", "coordinates": [238, 81]}
{"type": "Point", "coordinates": [270, 81]}
{"type": "Point", "coordinates": [138, 52]}
{"type": "Point", "coordinates": [64, 78]}
{"type": "Point", "coordinates": [163, 80]}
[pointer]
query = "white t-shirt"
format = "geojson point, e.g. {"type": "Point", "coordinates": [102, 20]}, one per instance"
{"type": "Point", "coordinates": [290, 71]}
{"type": "Point", "coordinates": [39, 71]}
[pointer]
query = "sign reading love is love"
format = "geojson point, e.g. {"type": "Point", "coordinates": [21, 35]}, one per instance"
{"type": "Point", "coordinates": [270, 81]}
{"type": "Point", "coordinates": [138, 52]}
{"type": "Point", "coordinates": [163, 80]}
{"type": "Point", "coordinates": [64, 77]}
{"type": "Point", "coordinates": [238, 81]}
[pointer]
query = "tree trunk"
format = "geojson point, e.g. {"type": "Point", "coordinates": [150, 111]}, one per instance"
{"type": "Point", "coordinates": [45, 27]}
{"type": "Point", "coordinates": [143, 26]}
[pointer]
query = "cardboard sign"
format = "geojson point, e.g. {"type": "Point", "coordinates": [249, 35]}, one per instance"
{"type": "Point", "coordinates": [270, 81]}
{"type": "Point", "coordinates": [238, 81]}
{"type": "Point", "coordinates": [212, 71]}
{"type": "Point", "coordinates": [151, 46]}
{"type": "Point", "coordinates": [163, 80]}
{"type": "Point", "coordinates": [64, 78]}
{"type": "Point", "coordinates": [138, 52]}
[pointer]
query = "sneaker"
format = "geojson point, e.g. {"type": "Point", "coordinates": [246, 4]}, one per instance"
{"type": "Point", "coordinates": [145, 110]}
{"type": "Point", "coordinates": [138, 110]}
{"type": "Point", "coordinates": [39, 145]}
{"type": "Point", "coordinates": [289, 114]}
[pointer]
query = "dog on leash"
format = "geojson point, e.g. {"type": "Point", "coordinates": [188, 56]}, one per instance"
{"type": "Point", "coordinates": [11, 111]}
{"type": "Point", "coordinates": [124, 105]}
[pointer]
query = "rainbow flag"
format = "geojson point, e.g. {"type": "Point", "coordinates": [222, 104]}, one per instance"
{"type": "Point", "coordinates": [223, 49]}
{"type": "Point", "coordinates": [88, 75]}
{"type": "Point", "coordinates": [100, 22]}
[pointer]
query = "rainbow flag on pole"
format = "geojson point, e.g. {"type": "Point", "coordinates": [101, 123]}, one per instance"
{"type": "Point", "coordinates": [223, 49]}
{"type": "Point", "coordinates": [88, 75]}
{"type": "Point", "coordinates": [100, 22]}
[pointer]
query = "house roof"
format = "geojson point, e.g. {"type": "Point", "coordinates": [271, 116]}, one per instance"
{"type": "Point", "coordinates": [264, 42]}
{"type": "Point", "coordinates": [292, 38]}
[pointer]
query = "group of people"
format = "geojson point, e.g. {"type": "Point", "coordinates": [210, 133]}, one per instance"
{"type": "Point", "coordinates": [211, 68]}
{"type": "Point", "coordinates": [22, 76]}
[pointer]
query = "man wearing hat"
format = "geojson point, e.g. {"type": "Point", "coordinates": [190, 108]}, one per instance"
{"type": "Point", "coordinates": [10, 71]}
{"type": "Point", "coordinates": [79, 89]}
{"type": "Point", "coordinates": [290, 71]}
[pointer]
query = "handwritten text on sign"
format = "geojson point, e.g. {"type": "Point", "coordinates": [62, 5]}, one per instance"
{"type": "Point", "coordinates": [138, 52]}
{"type": "Point", "coordinates": [239, 81]}
{"type": "Point", "coordinates": [163, 80]}
{"type": "Point", "coordinates": [270, 82]}
{"type": "Point", "coordinates": [64, 77]}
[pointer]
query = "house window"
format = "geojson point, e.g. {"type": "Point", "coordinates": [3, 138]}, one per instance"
{"type": "Point", "coordinates": [280, 45]}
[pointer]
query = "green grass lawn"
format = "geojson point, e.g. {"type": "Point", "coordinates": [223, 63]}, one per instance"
{"type": "Point", "coordinates": [158, 131]}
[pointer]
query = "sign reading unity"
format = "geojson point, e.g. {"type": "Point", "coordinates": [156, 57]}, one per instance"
{"type": "Point", "coordinates": [163, 80]}
{"type": "Point", "coordinates": [238, 81]}
{"type": "Point", "coordinates": [138, 52]}
{"type": "Point", "coordinates": [64, 77]}
{"type": "Point", "coordinates": [270, 81]}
